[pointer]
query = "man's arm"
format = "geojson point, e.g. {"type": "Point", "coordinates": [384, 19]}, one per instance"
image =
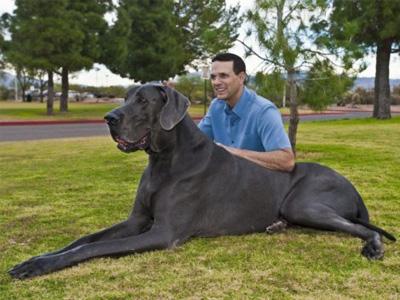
{"type": "Point", "coordinates": [282, 160]}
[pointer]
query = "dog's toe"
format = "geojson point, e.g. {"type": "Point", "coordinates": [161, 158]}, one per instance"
{"type": "Point", "coordinates": [277, 226]}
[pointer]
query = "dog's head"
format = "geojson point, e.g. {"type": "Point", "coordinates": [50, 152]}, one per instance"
{"type": "Point", "coordinates": [149, 113]}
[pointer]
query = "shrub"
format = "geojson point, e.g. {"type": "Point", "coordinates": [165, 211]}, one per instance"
{"type": "Point", "coordinates": [5, 93]}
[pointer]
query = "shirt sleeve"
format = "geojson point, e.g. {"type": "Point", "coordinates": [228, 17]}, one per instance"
{"type": "Point", "coordinates": [271, 130]}
{"type": "Point", "coordinates": [205, 124]}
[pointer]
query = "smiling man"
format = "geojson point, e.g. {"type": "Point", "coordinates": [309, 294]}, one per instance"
{"type": "Point", "coordinates": [243, 122]}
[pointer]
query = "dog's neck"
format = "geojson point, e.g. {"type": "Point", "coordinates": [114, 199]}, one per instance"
{"type": "Point", "coordinates": [185, 139]}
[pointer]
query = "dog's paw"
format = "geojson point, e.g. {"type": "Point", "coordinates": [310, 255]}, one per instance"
{"type": "Point", "coordinates": [277, 226]}
{"type": "Point", "coordinates": [373, 248]}
{"type": "Point", "coordinates": [35, 266]}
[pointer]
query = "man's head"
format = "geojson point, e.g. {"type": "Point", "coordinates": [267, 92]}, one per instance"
{"type": "Point", "coordinates": [228, 75]}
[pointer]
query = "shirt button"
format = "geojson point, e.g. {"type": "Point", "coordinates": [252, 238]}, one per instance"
{"type": "Point", "coordinates": [232, 142]}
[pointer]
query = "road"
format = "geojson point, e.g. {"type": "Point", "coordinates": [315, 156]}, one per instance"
{"type": "Point", "coordinates": [53, 131]}
{"type": "Point", "coordinates": [37, 132]}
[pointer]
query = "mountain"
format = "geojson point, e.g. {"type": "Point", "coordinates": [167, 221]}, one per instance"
{"type": "Point", "coordinates": [369, 82]}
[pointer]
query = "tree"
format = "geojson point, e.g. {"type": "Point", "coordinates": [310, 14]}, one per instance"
{"type": "Point", "coordinates": [41, 83]}
{"type": "Point", "coordinates": [323, 86]}
{"type": "Point", "coordinates": [25, 78]}
{"type": "Point", "coordinates": [2, 27]}
{"type": "Point", "coordinates": [155, 42]}
{"type": "Point", "coordinates": [58, 36]}
{"type": "Point", "coordinates": [36, 28]}
{"type": "Point", "coordinates": [84, 26]}
{"type": "Point", "coordinates": [362, 27]}
{"type": "Point", "coordinates": [208, 26]}
{"type": "Point", "coordinates": [153, 45]}
{"type": "Point", "coordinates": [282, 31]}
{"type": "Point", "coordinates": [271, 86]}
{"type": "Point", "coordinates": [115, 42]}
{"type": "Point", "coordinates": [190, 86]}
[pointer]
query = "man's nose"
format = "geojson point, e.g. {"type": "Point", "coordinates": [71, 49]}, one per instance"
{"type": "Point", "coordinates": [215, 81]}
{"type": "Point", "coordinates": [113, 117]}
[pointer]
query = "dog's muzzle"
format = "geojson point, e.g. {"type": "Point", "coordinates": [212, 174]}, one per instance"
{"type": "Point", "coordinates": [113, 120]}
{"type": "Point", "coordinates": [127, 146]}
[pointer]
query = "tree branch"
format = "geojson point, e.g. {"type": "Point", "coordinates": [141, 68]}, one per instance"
{"type": "Point", "coordinates": [261, 57]}
{"type": "Point", "coordinates": [318, 52]}
{"type": "Point", "coordinates": [293, 8]}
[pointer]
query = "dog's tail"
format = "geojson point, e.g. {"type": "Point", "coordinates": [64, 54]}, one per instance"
{"type": "Point", "coordinates": [374, 228]}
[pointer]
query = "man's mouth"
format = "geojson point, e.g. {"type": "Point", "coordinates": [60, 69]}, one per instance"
{"type": "Point", "coordinates": [140, 144]}
{"type": "Point", "coordinates": [220, 91]}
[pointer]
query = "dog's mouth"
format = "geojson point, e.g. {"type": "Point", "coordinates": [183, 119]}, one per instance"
{"type": "Point", "coordinates": [127, 146]}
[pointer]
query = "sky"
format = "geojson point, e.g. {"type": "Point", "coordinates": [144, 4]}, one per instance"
{"type": "Point", "coordinates": [99, 75]}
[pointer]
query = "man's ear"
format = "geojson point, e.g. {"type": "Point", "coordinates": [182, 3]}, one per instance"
{"type": "Point", "coordinates": [243, 77]}
{"type": "Point", "coordinates": [174, 109]}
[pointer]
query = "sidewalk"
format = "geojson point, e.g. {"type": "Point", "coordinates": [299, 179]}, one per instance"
{"type": "Point", "coordinates": [361, 108]}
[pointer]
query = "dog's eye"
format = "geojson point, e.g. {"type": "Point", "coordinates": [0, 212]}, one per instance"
{"type": "Point", "coordinates": [141, 100]}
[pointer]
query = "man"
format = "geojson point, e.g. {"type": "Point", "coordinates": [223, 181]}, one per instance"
{"type": "Point", "coordinates": [242, 122]}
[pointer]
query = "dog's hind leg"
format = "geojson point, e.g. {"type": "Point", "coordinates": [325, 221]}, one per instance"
{"type": "Point", "coordinates": [320, 216]}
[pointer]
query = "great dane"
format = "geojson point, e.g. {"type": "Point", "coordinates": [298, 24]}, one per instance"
{"type": "Point", "coordinates": [195, 188]}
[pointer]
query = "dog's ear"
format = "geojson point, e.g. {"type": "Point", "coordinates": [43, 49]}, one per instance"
{"type": "Point", "coordinates": [174, 109]}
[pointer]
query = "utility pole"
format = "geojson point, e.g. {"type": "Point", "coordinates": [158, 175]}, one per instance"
{"type": "Point", "coordinates": [205, 75]}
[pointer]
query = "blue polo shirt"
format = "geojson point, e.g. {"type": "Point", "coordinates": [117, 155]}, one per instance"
{"type": "Point", "coordinates": [254, 123]}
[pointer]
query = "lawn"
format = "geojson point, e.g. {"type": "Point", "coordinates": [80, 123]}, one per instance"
{"type": "Point", "coordinates": [11, 111]}
{"type": "Point", "coordinates": [54, 191]}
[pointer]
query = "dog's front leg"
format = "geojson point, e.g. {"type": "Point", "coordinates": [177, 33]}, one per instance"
{"type": "Point", "coordinates": [133, 226]}
{"type": "Point", "coordinates": [153, 239]}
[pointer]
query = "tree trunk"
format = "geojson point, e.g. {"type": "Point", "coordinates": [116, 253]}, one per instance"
{"type": "Point", "coordinates": [64, 90]}
{"type": "Point", "coordinates": [41, 89]}
{"type": "Point", "coordinates": [382, 86]}
{"type": "Point", "coordinates": [50, 93]}
{"type": "Point", "coordinates": [21, 83]}
{"type": "Point", "coordinates": [42, 85]}
{"type": "Point", "coordinates": [23, 94]}
{"type": "Point", "coordinates": [294, 113]}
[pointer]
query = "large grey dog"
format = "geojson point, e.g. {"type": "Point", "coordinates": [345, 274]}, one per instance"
{"type": "Point", "coordinates": [194, 188]}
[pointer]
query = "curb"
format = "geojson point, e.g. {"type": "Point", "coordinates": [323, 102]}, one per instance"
{"type": "Point", "coordinates": [49, 122]}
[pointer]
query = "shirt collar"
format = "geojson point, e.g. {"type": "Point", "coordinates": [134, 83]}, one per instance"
{"type": "Point", "coordinates": [240, 107]}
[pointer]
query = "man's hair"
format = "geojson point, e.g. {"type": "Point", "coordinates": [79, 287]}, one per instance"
{"type": "Point", "coordinates": [238, 63]}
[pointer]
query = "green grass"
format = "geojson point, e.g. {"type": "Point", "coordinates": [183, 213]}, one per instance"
{"type": "Point", "coordinates": [52, 192]}
{"type": "Point", "coordinates": [37, 111]}
{"type": "Point", "coordinates": [10, 110]}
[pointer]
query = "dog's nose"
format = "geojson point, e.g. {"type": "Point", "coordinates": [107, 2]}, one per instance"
{"type": "Point", "coordinates": [113, 117]}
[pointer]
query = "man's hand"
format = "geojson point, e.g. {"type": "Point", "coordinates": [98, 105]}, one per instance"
{"type": "Point", "coordinates": [282, 160]}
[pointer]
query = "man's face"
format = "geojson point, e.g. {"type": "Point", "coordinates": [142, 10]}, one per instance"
{"type": "Point", "coordinates": [227, 85]}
